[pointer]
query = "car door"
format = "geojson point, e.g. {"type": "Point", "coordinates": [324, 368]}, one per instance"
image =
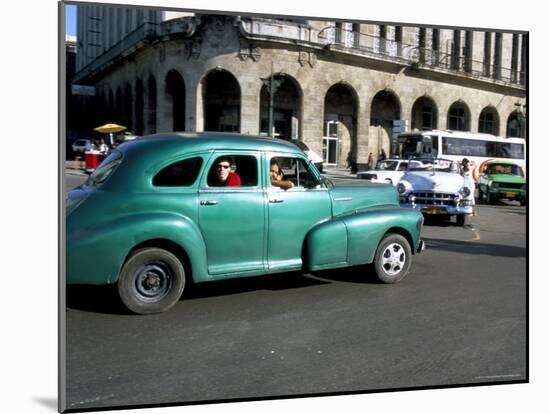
{"type": "Point", "coordinates": [232, 218]}
{"type": "Point", "coordinates": [292, 213]}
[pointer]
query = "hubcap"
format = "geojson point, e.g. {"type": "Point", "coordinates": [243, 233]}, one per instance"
{"type": "Point", "coordinates": [152, 282]}
{"type": "Point", "coordinates": [393, 259]}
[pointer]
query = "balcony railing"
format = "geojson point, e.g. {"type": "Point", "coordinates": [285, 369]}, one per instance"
{"type": "Point", "coordinates": [411, 55]}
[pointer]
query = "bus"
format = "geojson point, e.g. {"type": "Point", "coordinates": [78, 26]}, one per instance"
{"type": "Point", "coordinates": [478, 148]}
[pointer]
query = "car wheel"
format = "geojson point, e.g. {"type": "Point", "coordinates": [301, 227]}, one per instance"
{"type": "Point", "coordinates": [461, 220]}
{"type": "Point", "coordinates": [392, 259]}
{"type": "Point", "coordinates": [151, 281]}
{"type": "Point", "coordinates": [489, 199]}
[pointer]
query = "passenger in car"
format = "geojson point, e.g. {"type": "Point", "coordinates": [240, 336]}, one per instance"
{"type": "Point", "coordinates": [223, 176]}
{"type": "Point", "coordinates": [277, 176]}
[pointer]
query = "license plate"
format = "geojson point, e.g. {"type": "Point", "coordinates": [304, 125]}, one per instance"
{"type": "Point", "coordinates": [432, 210]}
{"type": "Point", "coordinates": [510, 195]}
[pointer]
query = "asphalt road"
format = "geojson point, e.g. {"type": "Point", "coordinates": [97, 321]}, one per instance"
{"type": "Point", "coordinates": [459, 317]}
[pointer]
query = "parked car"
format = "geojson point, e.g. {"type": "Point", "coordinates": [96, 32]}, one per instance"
{"type": "Point", "coordinates": [312, 155]}
{"type": "Point", "coordinates": [153, 217]}
{"type": "Point", "coordinates": [436, 187]}
{"type": "Point", "coordinates": [82, 145]}
{"type": "Point", "coordinates": [388, 171]}
{"type": "Point", "coordinates": [501, 179]}
{"type": "Point", "coordinates": [125, 136]}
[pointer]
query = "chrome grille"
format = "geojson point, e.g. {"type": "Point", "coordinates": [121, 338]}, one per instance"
{"type": "Point", "coordinates": [434, 199]}
{"type": "Point", "coordinates": [510, 185]}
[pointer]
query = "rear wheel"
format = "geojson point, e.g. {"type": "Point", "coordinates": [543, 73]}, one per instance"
{"type": "Point", "coordinates": [392, 259]}
{"type": "Point", "coordinates": [151, 281]}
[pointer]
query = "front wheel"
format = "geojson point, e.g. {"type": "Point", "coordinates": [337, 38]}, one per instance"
{"type": "Point", "coordinates": [151, 281]}
{"type": "Point", "coordinates": [392, 259]}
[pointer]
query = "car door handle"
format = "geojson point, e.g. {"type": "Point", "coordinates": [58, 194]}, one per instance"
{"type": "Point", "coordinates": [276, 200]}
{"type": "Point", "coordinates": [208, 202]}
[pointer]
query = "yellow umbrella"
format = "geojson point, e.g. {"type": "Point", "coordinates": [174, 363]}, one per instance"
{"type": "Point", "coordinates": [110, 128]}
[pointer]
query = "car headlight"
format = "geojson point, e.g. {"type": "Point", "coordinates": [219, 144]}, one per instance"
{"type": "Point", "coordinates": [464, 191]}
{"type": "Point", "coordinates": [402, 188]}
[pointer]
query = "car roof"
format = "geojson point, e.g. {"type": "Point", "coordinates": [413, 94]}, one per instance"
{"type": "Point", "coordinates": [196, 141]}
{"type": "Point", "coordinates": [502, 162]}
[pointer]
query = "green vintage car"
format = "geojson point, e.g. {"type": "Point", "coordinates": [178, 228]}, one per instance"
{"type": "Point", "coordinates": [501, 179]}
{"type": "Point", "coordinates": [170, 208]}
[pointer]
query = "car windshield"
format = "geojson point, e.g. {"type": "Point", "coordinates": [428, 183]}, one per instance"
{"type": "Point", "coordinates": [105, 169]}
{"type": "Point", "coordinates": [509, 169]}
{"type": "Point", "coordinates": [80, 142]}
{"type": "Point", "coordinates": [435, 164]}
{"type": "Point", "coordinates": [386, 165]}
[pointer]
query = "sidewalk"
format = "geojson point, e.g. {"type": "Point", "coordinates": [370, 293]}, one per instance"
{"type": "Point", "coordinates": [333, 172]}
{"type": "Point", "coordinates": [74, 168]}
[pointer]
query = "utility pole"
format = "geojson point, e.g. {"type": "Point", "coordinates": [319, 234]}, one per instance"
{"type": "Point", "coordinates": [272, 86]}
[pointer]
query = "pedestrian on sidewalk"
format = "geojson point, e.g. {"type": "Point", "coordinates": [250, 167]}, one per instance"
{"type": "Point", "coordinates": [370, 162]}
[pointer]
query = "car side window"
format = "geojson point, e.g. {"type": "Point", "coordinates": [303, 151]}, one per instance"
{"type": "Point", "coordinates": [233, 171]}
{"type": "Point", "coordinates": [297, 171]}
{"type": "Point", "coordinates": [403, 166]}
{"type": "Point", "coordinates": [182, 173]}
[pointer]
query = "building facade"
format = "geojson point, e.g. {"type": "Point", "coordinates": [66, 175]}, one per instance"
{"type": "Point", "coordinates": [342, 88]}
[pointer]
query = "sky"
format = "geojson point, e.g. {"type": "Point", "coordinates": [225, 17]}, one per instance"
{"type": "Point", "coordinates": [70, 20]}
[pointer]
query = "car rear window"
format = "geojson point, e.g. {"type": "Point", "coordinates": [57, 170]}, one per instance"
{"type": "Point", "coordinates": [182, 173]}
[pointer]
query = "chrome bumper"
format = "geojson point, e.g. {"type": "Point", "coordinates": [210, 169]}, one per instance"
{"type": "Point", "coordinates": [421, 246]}
{"type": "Point", "coordinates": [431, 209]}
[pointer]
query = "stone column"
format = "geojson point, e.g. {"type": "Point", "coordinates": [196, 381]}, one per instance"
{"type": "Point", "coordinates": [250, 105]}
{"type": "Point", "coordinates": [312, 118]}
{"type": "Point", "coordinates": [194, 117]}
{"type": "Point", "coordinates": [363, 143]}
{"type": "Point", "coordinates": [165, 105]}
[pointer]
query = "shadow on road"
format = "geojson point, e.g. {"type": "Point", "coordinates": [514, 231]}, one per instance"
{"type": "Point", "coordinates": [104, 299]}
{"type": "Point", "coordinates": [279, 281]}
{"type": "Point", "coordinates": [477, 248]}
{"type": "Point", "coordinates": [363, 274]}
{"type": "Point", "coordinates": [91, 298]}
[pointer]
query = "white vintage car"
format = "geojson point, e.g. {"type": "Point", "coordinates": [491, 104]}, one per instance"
{"type": "Point", "coordinates": [388, 171]}
{"type": "Point", "coordinates": [435, 186]}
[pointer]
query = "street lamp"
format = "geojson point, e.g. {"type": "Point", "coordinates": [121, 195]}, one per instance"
{"type": "Point", "coordinates": [272, 85]}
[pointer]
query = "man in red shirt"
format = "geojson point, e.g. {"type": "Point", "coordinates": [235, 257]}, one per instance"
{"type": "Point", "coordinates": [224, 176]}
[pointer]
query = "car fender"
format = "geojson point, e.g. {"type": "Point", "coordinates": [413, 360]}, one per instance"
{"type": "Point", "coordinates": [114, 240]}
{"type": "Point", "coordinates": [352, 239]}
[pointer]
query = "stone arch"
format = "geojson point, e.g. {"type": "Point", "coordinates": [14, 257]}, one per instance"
{"type": "Point", "coordinates": [287, 107]}
{"type": "Point", "coordinates": [127, 107]}
{"type": "Point", "coordinates": [139, 108]}
{"type": "Point", "coordinates": [119, 118]}
{"type": "Point", "coordinates": [489, 121]}
{"type": "Point", "coordinates": [175, 96]}
{"type": "Point", "coordinates": [340, 125]}
{"type": "Point", "coordinates": [151, 107]}
{"type": "Point", "coordinates": [385, 108]}
{"type": "Point", "coordinates": [111, 106]}
{"type": "Point", "coordinates": [221, 97]}
{"type": "Point", "coordinates": [424, 114]}
{"type": "Point", "coordinates": [458, 117]}
{"type": "Point", "coordinates": [515, 124]}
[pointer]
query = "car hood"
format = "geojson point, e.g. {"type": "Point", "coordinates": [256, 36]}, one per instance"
{"type": "Point", "coordinates": [355, 196]}
{"type": "Point", "coordinates": [438, 181]}
{"type": "Point", "coordinates": [507, 178]}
